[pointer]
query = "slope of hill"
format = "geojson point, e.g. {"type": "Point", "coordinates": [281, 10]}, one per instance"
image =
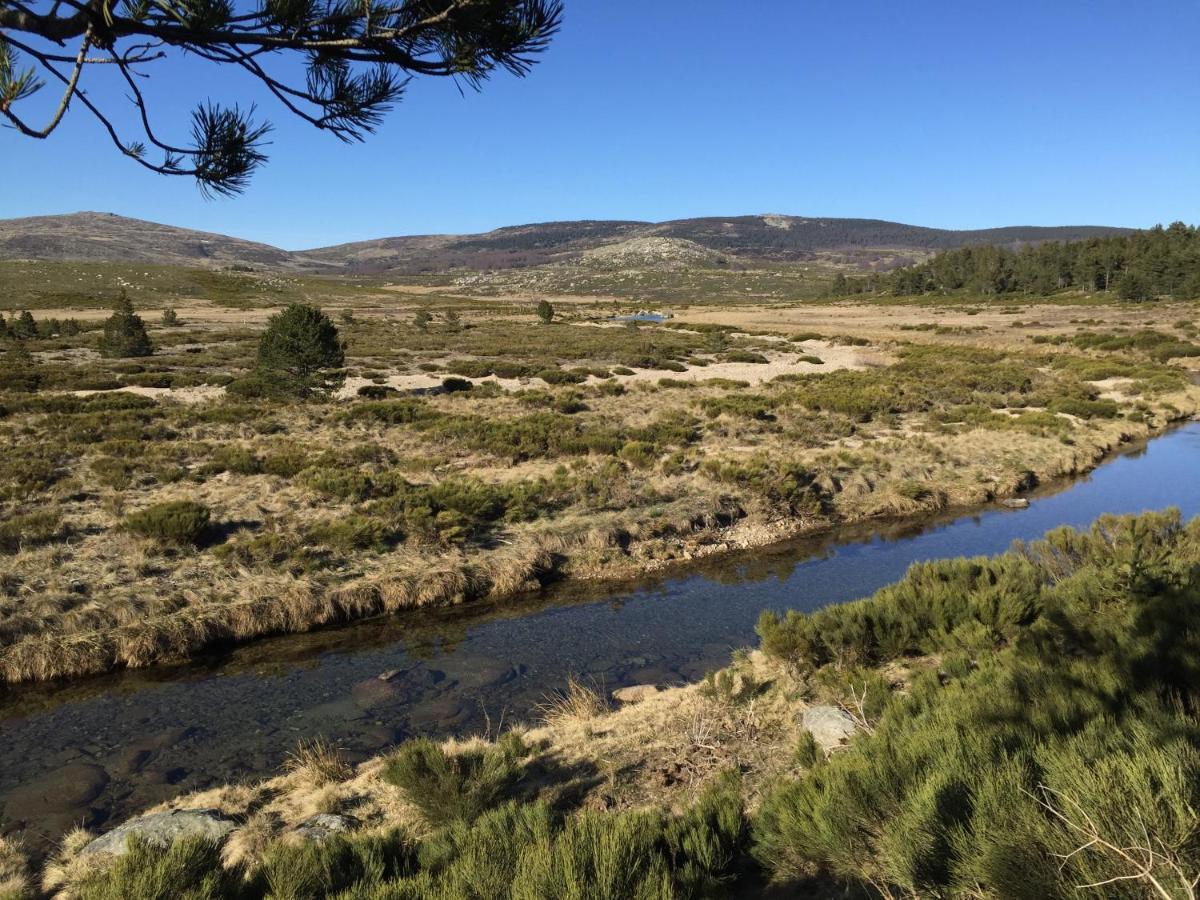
{"type": "Point", "coordinates": [105, 237]}
{"type": "Point", "coordinates": [778, 238]}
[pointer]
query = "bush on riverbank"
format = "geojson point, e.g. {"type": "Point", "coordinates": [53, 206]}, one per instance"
{"type": "Point", "coordinates": [1060, 750]}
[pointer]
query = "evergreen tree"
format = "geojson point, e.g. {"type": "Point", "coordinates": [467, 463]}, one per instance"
{"type": "Point", "coordinates": [421, 320]}
{"type": "Point", "coordinates": [545, 312]}
{"type": "Point", "coordinates": [18, 370]}
{"type": "Point", "coordinates": [125, 332]}
{"type": "Point", "coordinates": [299, 345]}
{"type": "Point", "coordinates": [23, 326]}
{"type": "Point", "coordinates": [170, 318]}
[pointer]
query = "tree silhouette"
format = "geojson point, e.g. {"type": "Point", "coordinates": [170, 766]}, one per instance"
{"type": "Point", "coordinates": [357, 58]}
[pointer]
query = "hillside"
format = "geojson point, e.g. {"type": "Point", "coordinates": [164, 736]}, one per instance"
{"type": "Point", "coordinates": [709, 241]}
{"type": "Point", "coordinates": [104, 237]}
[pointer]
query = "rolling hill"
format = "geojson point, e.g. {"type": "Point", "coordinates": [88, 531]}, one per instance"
{"type": "Point", "coordinates": [699, 242]}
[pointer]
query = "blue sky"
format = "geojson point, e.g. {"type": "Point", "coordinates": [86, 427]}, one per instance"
{"type": "Point", "coordinates": [949, 114]}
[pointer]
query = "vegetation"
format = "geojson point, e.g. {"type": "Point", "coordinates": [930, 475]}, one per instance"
{"type": "Point", "coordinates": [1159, 262]}
{"type": "Point", "coordinates": [355, 68]}
{"type": "Point", "coordinates": [175, 522]}
{"type": "Point", "coordinates": [1025, 728]}
{"type": "Point", "coordinates": [421, 480]}
{"type": "Point", "coordinates": [297, 347]}
{"type": "Point", "coordinates": [125, 333]}
{"type": "Point", "coordinates": [1055, 749]}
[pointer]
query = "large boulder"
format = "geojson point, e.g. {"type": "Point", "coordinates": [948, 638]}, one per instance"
{"type": "Point", "coordinates": [830, 726]}
{"type": "Point", "coordinates": [163, 829]}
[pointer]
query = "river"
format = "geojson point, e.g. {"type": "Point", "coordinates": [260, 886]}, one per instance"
{"type": "Point", "coordinates": [96, 750]}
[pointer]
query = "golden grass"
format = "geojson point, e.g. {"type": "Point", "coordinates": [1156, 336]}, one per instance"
{"type": "Point", "coordinates": [317, 762]}
{"type": "Point", "coordinates": [101, 599]}
{"type": "Point", "coordinates": [576, 704]}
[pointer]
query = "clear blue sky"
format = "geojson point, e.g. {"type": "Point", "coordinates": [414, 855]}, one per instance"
{"type": "Point", "coordinates": [949, 114]}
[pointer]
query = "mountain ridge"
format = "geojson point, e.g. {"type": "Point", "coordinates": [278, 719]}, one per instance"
{"type": "Point", "coordinates": [717, 240]}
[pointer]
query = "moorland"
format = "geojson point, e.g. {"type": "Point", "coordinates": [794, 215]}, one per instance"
{"type": "Point", "coordinates": [472, 438]}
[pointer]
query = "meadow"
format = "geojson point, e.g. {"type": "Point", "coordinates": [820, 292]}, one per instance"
{"type": "Point", "coordinates": [465, 450]}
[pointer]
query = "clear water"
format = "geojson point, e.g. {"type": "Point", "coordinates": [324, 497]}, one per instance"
{"type": "Point", "coordinates": [140, 737]}
{"type": "Point", "coordinates": [641, 317]}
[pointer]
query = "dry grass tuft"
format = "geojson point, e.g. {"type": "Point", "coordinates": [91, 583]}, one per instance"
{"type": "Point", "coordinates": [318, 763]}
{"type": "Point", "coordinates": [14, 869]}
{"type": "Point", "coordinates": [576, 704]}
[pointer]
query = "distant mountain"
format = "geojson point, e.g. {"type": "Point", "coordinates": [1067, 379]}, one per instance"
{"type": "Point", "coordinates": [699, 242]}
{"type": "Point", "coordinates": [106, 237]}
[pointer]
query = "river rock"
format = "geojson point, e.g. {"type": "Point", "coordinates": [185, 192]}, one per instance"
{"type": "Point", "coordinates": [634, 693]}
{"type": "Point", "coordinates": [163, 829]}
{"type": "Point", "coordinates": [830, 727]}
{"type": "Point", "coordinates": [374, 692]}
{"type": "Point", "coordinates": [1015, 503]}
{"type": "Point", "coordinates": [66, 789]}
{"type": "Point", "coordinates": [323, 826]}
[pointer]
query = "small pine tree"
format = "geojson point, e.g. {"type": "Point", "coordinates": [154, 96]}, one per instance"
{"type": "Point", "coordinates": [170, 318]}
{"type": "Point", "coordinates": [545, 312]}
{"type": "Point", "coordinates": [299, 344]}
{"type": "Point", "coordinates": [18, 370]}
{"type": "Point", "coordinates": [421, 320]}
{"type": "Point", "coordinates": [453, 320]}
{"type": "Point", "coordinates": [24, 326]}
{"type": "Point", "coordinates": [125, 332]}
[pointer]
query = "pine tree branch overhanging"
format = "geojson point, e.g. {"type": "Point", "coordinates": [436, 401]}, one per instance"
{"type": "Point", "coordinates": [358, 57]}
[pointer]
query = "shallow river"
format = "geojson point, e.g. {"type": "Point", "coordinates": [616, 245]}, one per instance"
{"type": "Point", "coordinates": [95, 751]}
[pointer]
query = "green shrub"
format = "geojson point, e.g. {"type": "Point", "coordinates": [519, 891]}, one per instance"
{"type": "Point", "coordinates": [112, 473]}
{"type": "Point", "coordinates": [456, 385]}
{"type": "Point", "coordinates": [639, 453]}
{"type": "Point", "coordinates": [189, 869]}
{"type": "Point", "coordinates": [170, 318]}
{"type": "Point", "coordinates": [19, 372]}
{"type": "Point", "coordinates": [560, 376]}
{"type": "Point", "coordinates": [744, 356]}
{"type": "Point", "coordinates": [173, 522]}
{"type": "Point", "coordinates": [1059, 731]}
{"type": "Point", "coordinates": [29, 530]}
{"type": "Point", "coordinates": [352, 532]}
{"type": "Point", "coordinates": [545, 312]}
{"type": "Point", "coordinates": [458, 788]}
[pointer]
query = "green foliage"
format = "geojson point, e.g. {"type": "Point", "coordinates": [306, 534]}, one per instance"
{"type": "Point", "coordinates": [124, 332]}
{"type": "Point", "coordinates": [459, 788]}
{"type": "Point", "coordinates": [170, 318]}
{"type": "Point", "coordinates": [744, 356]}
{"type": "Point", "coordinates": [1071, 734]}
{"type": "Point", "coordinates": [29, 530]}
{"type": "Point", "coordinates": [297, 348]}
{"type": "Point", "coordinates": [174, 522]}
{"type": "Point", "coordinates": [189, 869]}
{"type": "Point", "coordinates": [545, 312]}
{"type": "Point", "coordinates": [1140, 266]}
{"type": "Point", "coordinates": [783, 484]}
{"type": "Point", "coordinates": [18, 370]}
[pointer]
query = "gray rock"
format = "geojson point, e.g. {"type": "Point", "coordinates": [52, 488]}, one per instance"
{"type": "Point", "coordinates": [1015, 503]}
{"type": "Point", "coordinates": [830, 727]}
{"type": "Point", "coordinates": [163, 829]}
{"type": "Point", "coordinates": [323, 826]}
{"type": "Point", "coordinates": [635, 693]}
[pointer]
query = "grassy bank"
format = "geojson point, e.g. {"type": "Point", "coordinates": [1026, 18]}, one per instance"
{"type": "Point", "coordinates": [172, 510]}
{"type": "Point", "coordinates": [1024, 726]}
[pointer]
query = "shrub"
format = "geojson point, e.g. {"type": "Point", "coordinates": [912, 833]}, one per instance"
{"type": "Point", "coordinates": [170, 318]}
{"type": "Point", "coordinates": [298, 346]}
{"type": "Point", "coordinates": [545, 312]}
{"type": "Point", "coordinates": [19, 372]}
{"type": "Point", "coordinates": [448, 789]}
{"type": "Point", "coordinates": [639, 453]}
{"type": "Point", "coordinates": [28, 530]}
{"type": "Point", "coordinates": [744, 356]}
{"type": "Point", "coordinates": [560, 376]}
{"type": "Point", "coordinates": [124, 332]}
{"type": "Point", "coordinates": [352, 532]}
{"type": "Point", "coordinates": [189, 868]}
{"type": "Point", "coordinates": [456, 385]}
{"type": "Point", "coordinates": [174, 522]}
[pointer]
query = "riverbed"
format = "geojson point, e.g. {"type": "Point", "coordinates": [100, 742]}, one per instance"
{"type": "Point", "coordinates": [94, 751]}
